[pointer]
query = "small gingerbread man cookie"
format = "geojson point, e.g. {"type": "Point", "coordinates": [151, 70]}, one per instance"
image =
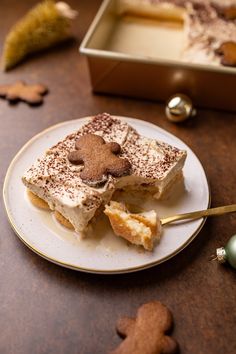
{"type": "Point", "coordinates": [228, 52]}
{"type": "Point", "coordinates": [230, 12]}
{"type": "Point", "coordinates": [99, 159]}
{"type": "Point", "coordinates": [145, 334]}
{"type": "Point", "coordinates": [31, 94]}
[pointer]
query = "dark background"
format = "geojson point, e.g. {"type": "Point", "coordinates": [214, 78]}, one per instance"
{"type": "Point", "coordinates": [47, 309]}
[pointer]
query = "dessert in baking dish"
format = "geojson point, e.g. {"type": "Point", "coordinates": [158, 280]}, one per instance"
{"type": "Point", "coordinates": [78, 176]}
{"type": "Point", "coordinates": [209, 26]}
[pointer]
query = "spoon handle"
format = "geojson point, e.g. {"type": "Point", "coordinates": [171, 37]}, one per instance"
{"type": "Point", "coordinates": [198, 214]}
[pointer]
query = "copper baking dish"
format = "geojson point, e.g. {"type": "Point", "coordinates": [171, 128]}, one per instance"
{"type": "Point", "coordinates": [138, 57]}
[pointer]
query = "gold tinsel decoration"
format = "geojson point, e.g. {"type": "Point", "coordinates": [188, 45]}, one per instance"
{"type": "Point", "coordinates": [40, 28]}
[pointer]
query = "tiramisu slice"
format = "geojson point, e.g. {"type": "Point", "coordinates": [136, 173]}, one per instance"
{"type": "Point", "coordinates": [79, 175]}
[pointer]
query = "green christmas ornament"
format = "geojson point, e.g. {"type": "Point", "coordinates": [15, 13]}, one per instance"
{"type": "Point", "coordinates": [228, 253]}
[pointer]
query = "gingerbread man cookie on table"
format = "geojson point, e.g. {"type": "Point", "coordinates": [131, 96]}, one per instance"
{"type": "Point", "coordinates": [146, 334]}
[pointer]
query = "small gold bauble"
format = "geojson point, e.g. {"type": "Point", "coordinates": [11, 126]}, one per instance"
{"type": "Point", "coordinates": [179, 107]}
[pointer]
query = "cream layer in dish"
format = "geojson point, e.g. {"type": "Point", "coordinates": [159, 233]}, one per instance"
{"type": "Point", "coordinates": [154, 167]}
{"type": "Point", "coordinates": [207, 24]}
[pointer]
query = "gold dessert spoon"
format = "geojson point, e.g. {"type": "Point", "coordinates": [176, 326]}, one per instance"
{"type": "Point", "coordinates": [199, 214]}
{"type": "Point", "coordinates": [132, 212]}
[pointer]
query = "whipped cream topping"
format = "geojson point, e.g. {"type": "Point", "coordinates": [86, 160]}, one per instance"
{"type": "Point", "coordinates": [57, 181]}
{"type": "Point", "coordinates": [206, 30]}
{"type": "Point", "coordinates": [184, 3]}
{"type": "Point", "coordinates": [207, 24]}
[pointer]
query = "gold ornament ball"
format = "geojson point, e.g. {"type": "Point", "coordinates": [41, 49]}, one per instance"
{"type": "Point", "coordinates": [179, 107]}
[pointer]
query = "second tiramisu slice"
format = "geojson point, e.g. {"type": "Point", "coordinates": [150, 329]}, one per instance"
{"type": "Point", "coordinates": [79, 175]}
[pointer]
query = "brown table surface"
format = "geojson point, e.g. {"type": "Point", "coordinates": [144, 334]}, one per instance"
{"type": "Point", "coordinates": [45, 308]}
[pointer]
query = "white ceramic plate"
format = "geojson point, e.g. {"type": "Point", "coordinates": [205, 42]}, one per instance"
{"type": "Point", "coordinates": [103, 252]}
